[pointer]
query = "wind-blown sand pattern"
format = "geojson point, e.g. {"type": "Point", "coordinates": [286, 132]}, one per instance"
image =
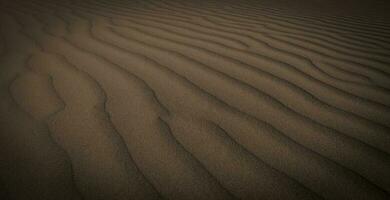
{"type": "Point", "coordinates": [186, 99]}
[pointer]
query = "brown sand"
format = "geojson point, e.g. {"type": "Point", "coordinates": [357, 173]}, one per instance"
{"type": "Point", "coordinates": [194, 99]}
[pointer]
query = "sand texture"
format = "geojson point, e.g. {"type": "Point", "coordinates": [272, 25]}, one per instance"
{"type": "Point", "coordinates": [194, 99]}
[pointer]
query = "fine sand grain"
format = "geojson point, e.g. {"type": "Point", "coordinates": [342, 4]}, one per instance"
{"type": "Point", "coordinates": [194, 99]}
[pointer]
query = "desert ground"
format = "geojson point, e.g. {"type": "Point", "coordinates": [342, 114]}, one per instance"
{"type": "Point", "coordinates": [194, 99]}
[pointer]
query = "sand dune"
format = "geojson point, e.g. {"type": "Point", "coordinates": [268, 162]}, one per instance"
{"type": "Point", "coordinates": [182, 99]}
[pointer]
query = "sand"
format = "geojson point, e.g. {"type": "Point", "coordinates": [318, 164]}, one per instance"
{"type": "Point", "coordinates": [194, 99]}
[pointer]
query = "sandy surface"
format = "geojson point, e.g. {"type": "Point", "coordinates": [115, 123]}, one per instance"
{"type": "Point", "coordinates": [194, 99]}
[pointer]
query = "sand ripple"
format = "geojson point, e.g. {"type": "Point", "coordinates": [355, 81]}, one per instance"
{"type": "Point", "coordinates": [165, 99]}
